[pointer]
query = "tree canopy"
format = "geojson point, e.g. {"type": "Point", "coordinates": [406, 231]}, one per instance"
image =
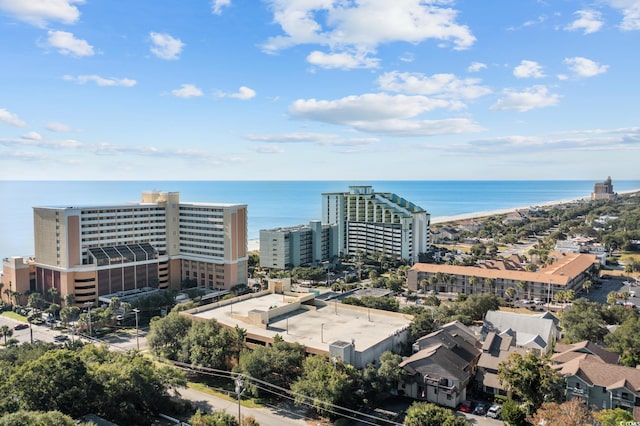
{"type": "Point", "coordinates": [427, 414]}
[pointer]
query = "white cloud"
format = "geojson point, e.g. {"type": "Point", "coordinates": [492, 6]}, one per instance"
{"type": "Point", "coordinates": [11, 118]}
{"type": "Point", "coordinates": [476, 66]}
{"type": "Point", "coordinates": [382, 113]}
{"type": "Point", "coordinates": [187, 91]}
{"type": "Point", "coordinates": [531, 98]}
{"type": "Point", "coordinates": [407, 57]}
{"type": "Point", "coordinates": [365, 25]}
{"type": "Point", "coordinates": [101, 81]}
{"type": "Point", "coordinates": [630, 13]}
{"type": "Point", "coordinates": [584, 67]}
{"type": "Point", "coordinates": [67, 44]}
{"type": "Point", "coordinates": [55, 126]}
{"type": "Point", "coordinates": [342, 60]}
{"type": "Point", "coordinates": [325, 139]}
{"type": "Point", "coordinates": [590, 21]}
{"type": "Point", "coordinates": [269, 149]}
{"type": "Point", "coordinates": [34, 136]}
{"type": "Point", "coordinates": [39, 12]}
{"type": "Point", "coordinates": [217, 5]}
{"type": "Point", "coordinates": [441, 85]}
{"type": "Point", "coordinates": [165, 46]}
{"type": "Point", "coordinates": [244, 93]}
{"type": "Point", "coordinates": [528, 69]}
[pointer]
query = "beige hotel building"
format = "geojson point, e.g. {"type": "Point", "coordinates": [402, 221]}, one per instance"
{"type": "Point", "coordinates": [91, 251]}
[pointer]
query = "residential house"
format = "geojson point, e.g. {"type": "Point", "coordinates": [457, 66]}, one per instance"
{"type": "Point", "coordinates": [497, 347]}
{"type": "Point", "coordinates": [534, 332]}
{"type": "Point", "coordinates": [602, 385]}
{"type": "Point", "coordinates": [443, 366]}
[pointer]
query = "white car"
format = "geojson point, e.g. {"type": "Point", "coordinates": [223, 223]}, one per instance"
{"type": "Point", "coordinates": [494, 412]}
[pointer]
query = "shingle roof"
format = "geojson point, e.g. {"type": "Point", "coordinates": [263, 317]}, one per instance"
{"type": "Point", "coordinates": [565, 353]}
{"type": "Point", "coordinates": [610, 376]}
{"type": "Point", "coordinates": [530, 330]}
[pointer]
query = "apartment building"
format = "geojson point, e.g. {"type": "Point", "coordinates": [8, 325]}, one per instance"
{"type": "Point", "coordinates": [90, 251]}
{"type": "Point", "coordinates": [568, 271]}
{"type": "Point", "coordinates": [369, 221]}
{"type": "Point", "coordinates": [284, 248]}
{"type": "Point", "coordinates": [603, 190]}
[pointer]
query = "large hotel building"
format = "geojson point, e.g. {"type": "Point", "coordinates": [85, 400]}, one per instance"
{"type": "Point", "coordinates": [91, 251]}
{"type": "Point", "coordinates": [383, 222]}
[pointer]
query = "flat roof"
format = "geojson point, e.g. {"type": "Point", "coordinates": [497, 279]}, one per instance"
{"type": "Point", "coordinates": [315, 329]}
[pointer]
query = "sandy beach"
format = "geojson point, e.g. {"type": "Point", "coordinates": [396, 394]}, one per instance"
{"type": "Point", "coordinates": [254, 245]}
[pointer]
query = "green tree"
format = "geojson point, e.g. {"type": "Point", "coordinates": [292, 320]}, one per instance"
{"type": "Point", "coordinates": [612, 297]}
{"type": "Point", "coordinates": [514, 414]}
{"type": "Point", "coordinates": [217, 418]}
{"type": "Point", "coordinates": [6, 331]}
{"type": "Point", "coordinates": [625, 341]}
{"type": "Point", "coordinates": [583, 321]}
{"type": "Point", "coordinates": [207, 344]}
{"type": "Point", "coordinates": [279, 364]}
{"type": "Point", "coordinates": [326, 383]}
{"type": "Point", "coordinates": [389, 373]}
{"type": "Point", "coordinates": [37, 418]}
{"type": "Point", "coordinates": [615, 417]}
{"type": "Point", "coordinates": [58, 380]}
{"type": "Point", "coordinates": [510, 292]}
{"type": "Point", "coordinates": [132, 388]}
{"type": "Point", "coordinates": [587, 285]}
{"type": "Point", "coordinates": [530, 377]}
{"type": "Point", "coordinates": [426, 414]}
{"type": "Point", "coordinates": [165, 335]}
{"type": "Point", "coordinates": [422, 324]}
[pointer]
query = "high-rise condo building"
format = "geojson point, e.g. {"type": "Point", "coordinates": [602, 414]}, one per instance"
{"type": "Point", "coordinates": [284, 248]}
{"type": "Point", "coordinates": [90, 251]}
{"type": "Point", "coordinates": [381, 222]}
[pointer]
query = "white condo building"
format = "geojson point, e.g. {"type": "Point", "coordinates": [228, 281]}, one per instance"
{"type": "Point", "coordinates": [91, 251]}
{"type": "Point", "coordinates": [383, 222]}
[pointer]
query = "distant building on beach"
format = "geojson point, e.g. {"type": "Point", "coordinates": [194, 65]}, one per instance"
{"type": "Point", "coordinates": [284, 248]}
{"type": "Point", "coordinates": [92, 251]}
{"type": "Point", "coordinates": [382, 222]}
{"type": "Point", "coordinates": [603, 190]}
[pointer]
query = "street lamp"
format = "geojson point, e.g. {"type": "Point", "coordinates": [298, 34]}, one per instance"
{"type": "Point", "coordinates": [137, 311]}
{"type": "Point", "coordinates": [89, 305]}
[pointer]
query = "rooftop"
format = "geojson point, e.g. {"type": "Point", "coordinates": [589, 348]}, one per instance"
{"type": "Point", "coordinates": [302, 319]}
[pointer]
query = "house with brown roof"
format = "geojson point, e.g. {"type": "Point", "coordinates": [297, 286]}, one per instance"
{"type": "Point", "coordinates": [443, 366]}
{"type": "Point", "coordinates": [583, 350]}
{"type": "Point", "coordinates": [602, 385]}
{"type": "Point", "coordinates": [568, 271]}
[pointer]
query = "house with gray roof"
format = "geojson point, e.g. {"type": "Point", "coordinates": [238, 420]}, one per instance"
{"type": "Point", "coordinates": [443, 366]}
{"type": "Point", "coordinates": [496, 348]}
{"type": "Point", "coordinates": [536, 332]}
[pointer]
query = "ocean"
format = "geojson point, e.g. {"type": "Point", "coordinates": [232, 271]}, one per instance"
{"type": "Point", "coordinates": [275, 203]}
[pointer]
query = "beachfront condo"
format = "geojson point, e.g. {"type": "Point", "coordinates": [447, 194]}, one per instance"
{"type": "Point", "coordinates": [159, 242]}
{"type": "Point", "coordinates": [377, 222]}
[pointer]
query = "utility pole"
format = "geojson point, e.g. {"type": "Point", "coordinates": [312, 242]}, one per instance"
{"type": "Point", "coordinates": [239, 390]}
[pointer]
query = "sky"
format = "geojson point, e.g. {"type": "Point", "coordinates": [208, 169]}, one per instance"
{"type": "Point", "coordinates": [319, 89]}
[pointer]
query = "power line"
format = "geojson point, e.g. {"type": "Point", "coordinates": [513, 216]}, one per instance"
{"type": "Point", "coordinates": [285, 393]}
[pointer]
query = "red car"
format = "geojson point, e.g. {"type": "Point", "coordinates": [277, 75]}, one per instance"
{"type": "Point", "coordinates": [21, 326]}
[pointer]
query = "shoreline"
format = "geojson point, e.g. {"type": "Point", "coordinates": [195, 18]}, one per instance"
{"type": "Point", "coordinates": [254, 244]}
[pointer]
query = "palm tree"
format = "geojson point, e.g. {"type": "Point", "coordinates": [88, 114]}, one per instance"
{"type": "Point", "coordinates": [587, 285]}
{"type": "Point", "coordinates": [433, 280]}
{"type": "Point", "coordinates": [9, 294]}
{"type": "Point", "coordinates": [69, 299]}
{"type": "Point", "coordinates": [6, 332]}
{"type": "Point", "coordinates": [522, 285]}
{"type": "Point", "coordinates": [473, 280]}
{"type": "Point", "coordinates": [16, 296]}
{"type": "Point", "coordinates": [612, 298]}
{"type": "Point", "coordinates": [510, 292]}
{"type": "Point", "coordinates": [488, 282]}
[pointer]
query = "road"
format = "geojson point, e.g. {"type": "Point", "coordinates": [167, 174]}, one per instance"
{"type": "Point", "coordinates": [265, 416]}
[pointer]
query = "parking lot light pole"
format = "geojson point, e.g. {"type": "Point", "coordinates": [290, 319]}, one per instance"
{"type": "Point", "coordinates": [137, 311]}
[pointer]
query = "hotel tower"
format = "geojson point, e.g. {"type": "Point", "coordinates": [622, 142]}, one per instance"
{"type": "Point", "coordinates": [159, 242]}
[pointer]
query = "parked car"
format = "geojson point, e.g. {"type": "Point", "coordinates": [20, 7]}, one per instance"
{"type": "Point", "coordinates": [480, 410]}
{"type": "Point", "coordinates": [466, 407]}
{"type": "Point", "coordinates": [494, 412]}
{"type": "Point", "coordinates": [21, 326]}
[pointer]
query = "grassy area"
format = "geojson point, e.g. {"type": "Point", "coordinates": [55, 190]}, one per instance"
{"type": "Point", "coordinates": [250, 403]}
{"type": "Point", "coordinates": [11, 314]}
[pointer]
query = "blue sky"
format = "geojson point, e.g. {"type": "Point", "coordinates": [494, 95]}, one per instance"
{"type": "Point", "coordinates": [319, 89]}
